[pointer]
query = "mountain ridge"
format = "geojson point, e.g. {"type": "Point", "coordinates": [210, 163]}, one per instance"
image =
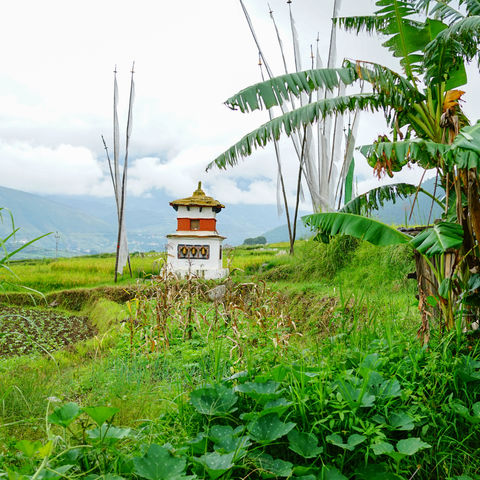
{"type": "Point", "coordinates": [87, 225]}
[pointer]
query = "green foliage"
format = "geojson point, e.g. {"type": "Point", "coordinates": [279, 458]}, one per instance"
{"type": "Point", "coordinates": [214, 400]}
{"type": "Point", "coordinates": [291, 122]}
{"type": "Point", "coordinates": [276, 90]}
{"type": "Point", "coordinates": [255, 241]}
{"type": "Point", "coordinates": [65, 415]}
{"type": "Point", "coordinates": [376, 197]}
{"type": "Point", "coordinates": [159, 464]}
{"type": "Point", "coordinates": [439, 238]}
{"type": "Point", "coordinates": [267, 428]}
{"type": "Point", "coordinates": [101, 414]}
{"type": "Point", "coordinates": [305, 444]}
{"type": "Point", "coordinates": [313, 261]}
{"type": "Point", "coordinates": [357, 226]}
{"type": "Point", "coordinates": [412, 399]}
{"type": "Point", "coordinates": [6, 274]}
{"type": "Point", "coordinates": [420, 105]}
{"type": "Point", "coordinates": [465, 149]}
{"type": "Point", "coordinates": [36, 330]}
{"type": "Point", "coordinates": [249, 387]}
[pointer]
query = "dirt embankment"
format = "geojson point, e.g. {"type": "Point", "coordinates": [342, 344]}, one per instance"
{"type": "Point", "coordinates": [74, 300]}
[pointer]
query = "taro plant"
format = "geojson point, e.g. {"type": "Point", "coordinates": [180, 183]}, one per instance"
{"type": "Point", "coordinates": [352, 424]}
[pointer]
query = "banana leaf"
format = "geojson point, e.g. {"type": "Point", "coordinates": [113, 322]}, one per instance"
{"type": "Point", "coordinates": [465, 149]}
{"type": "Point", "coordinates": [439, 238]}
{"type": "Point", "coordinates": [356, 226]}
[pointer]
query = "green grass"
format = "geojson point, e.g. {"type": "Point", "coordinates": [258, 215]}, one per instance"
{"type": "Point", "coordinates": [330, 335]}
{"type": "Point", "coordinates": [58, 274]}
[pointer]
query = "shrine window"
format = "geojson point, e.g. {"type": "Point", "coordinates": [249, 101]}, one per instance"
{"type": "Point", "coordinates": [194, 224]}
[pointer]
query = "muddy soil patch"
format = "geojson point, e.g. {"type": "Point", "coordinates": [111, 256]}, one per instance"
{"type": "Point", "coordinates": [24, 331]}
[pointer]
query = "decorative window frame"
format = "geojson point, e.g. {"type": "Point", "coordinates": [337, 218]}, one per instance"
{"type": "Point", "coordinates": [193, 252]}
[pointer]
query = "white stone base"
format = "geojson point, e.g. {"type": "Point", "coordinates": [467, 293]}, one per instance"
{"type": "Point", "coordinates": [209, 268]}
{"type": "Point", "coordinates": [206, 274]}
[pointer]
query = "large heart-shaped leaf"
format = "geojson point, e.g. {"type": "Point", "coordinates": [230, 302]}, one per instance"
{"type": "Point", "coordinates": [159, 464]}
{"type": "Point", "coordinates": [410, 446]}
{"type": "Point", "coordinates": [65, 414]}
{"type": "Point", "coordinates": [305, 444]}
{"type": "Point", "coordinates": [108, 434]}
{"type": "Point", "coordinates": [352, 441]}
{"type": "Point", "coordinates": [275, 467]}
{"type": "Point", "coordinates": [101, 414]}
{"type": "Point", "coordinates": [439, 238]}
{"type": "Point", "coordinates": [382, 448]}
{"type": "Point", "coordinates": [278, 405]}
{"type": "Point", "coordinates": [401, 421]}
{"type": "Point", "coordinates": [214, 400]}
{"type": "Point", "coordinates": [226, 440]}
{"type": "Point", "coordinates": [260, 391]}
{"type": "Point", "coordinates": [216, 464]}
{"type": "Point", "coordinates": [389, 389]}
{"type": "Point", "coordinates": [268, 428]}
{"type": "Point", "coordinates": [355, 397]}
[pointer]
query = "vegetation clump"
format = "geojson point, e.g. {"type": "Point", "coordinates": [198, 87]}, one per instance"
{"type": "Point", "coordinates": [24, 331]}
{"type": "Point", "coordinates": [255, 241]}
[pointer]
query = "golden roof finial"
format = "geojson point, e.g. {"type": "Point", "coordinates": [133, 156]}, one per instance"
{"type": "Point", "coordinates": [199, 192]}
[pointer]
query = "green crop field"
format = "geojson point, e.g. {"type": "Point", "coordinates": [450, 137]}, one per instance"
{"type": "Point", "coordinates": [54, 274]}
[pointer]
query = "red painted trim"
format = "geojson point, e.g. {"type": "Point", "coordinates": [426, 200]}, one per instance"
{"type": "Point", "coordinates": [183, 224]}
{"type": "Point", "coordinates": [205, 224]}
{"type": "Point", "coordinates": [208, 224]}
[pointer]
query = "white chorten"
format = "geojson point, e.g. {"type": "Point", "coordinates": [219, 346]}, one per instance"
{"type": "Point", "coordinates": [196, 247]}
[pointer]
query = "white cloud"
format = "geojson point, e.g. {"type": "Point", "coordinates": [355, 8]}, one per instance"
{"type": "Point", "coordinates": [56, 92]}
{"type": "Point", "coordinates": [254, 181]}
{"type": "Point", "coordinates": [63, 169]}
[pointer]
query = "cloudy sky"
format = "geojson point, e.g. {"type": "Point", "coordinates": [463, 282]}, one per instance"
{"type": "Point", "coordinates": [56, 91]}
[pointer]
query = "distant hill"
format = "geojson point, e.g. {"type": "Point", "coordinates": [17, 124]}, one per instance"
{"type": "Point", "coordinates": [35, 215]}
{"type": "Point", "coordinates": [87, 225]}
{"type": "Point", "coordinates": [151, 215]}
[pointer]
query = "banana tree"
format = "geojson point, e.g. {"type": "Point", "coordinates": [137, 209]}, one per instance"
{"type": "Point", "coordinates": [325, 157]}
{"type": "Point", "coordinates": [433, 41]}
